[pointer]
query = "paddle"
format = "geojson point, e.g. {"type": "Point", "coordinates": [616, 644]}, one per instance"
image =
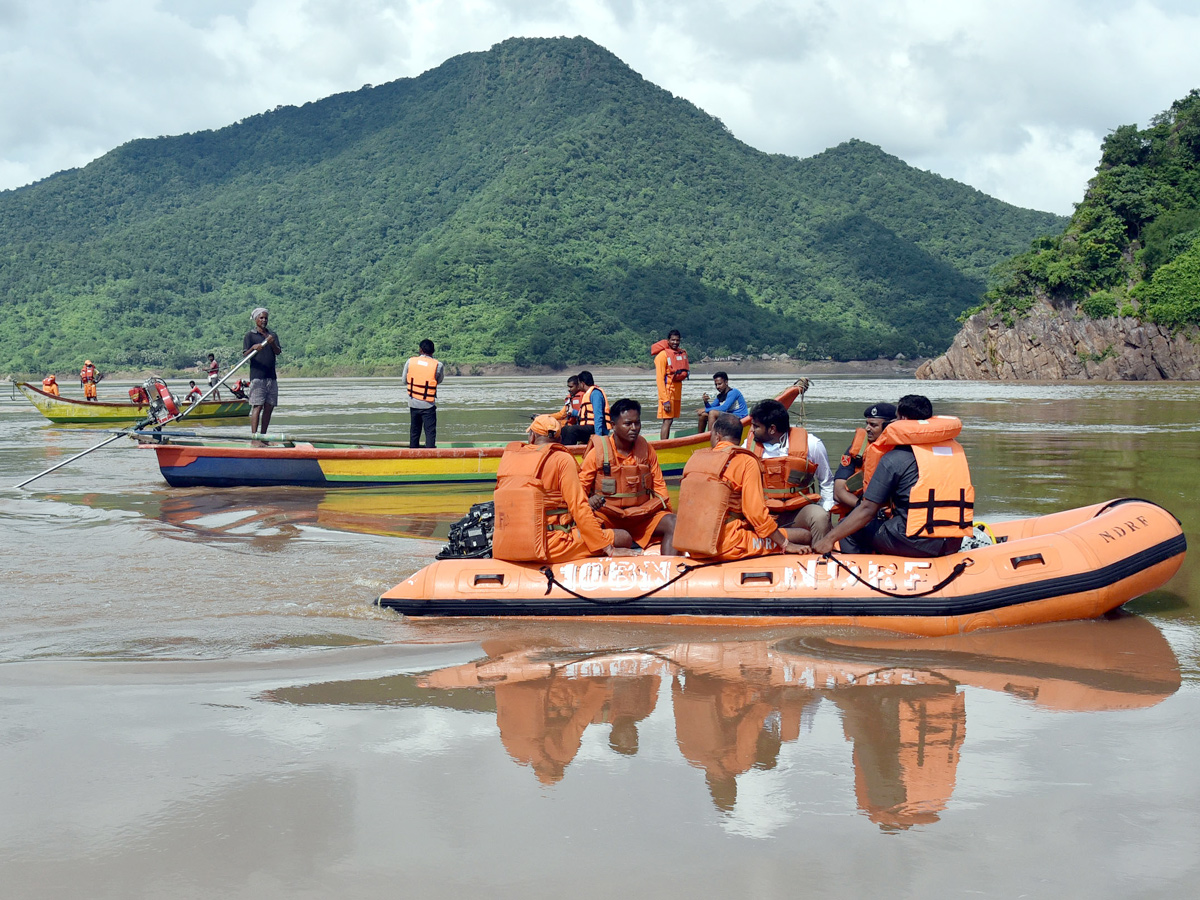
{"type": "Point", "coordinates": [147, 421]}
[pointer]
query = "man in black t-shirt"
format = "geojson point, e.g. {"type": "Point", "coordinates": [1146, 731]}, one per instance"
{"type": "Point", "coordinates": [865, 529]}
{"type": "Point", "coordinates": [264, 390]}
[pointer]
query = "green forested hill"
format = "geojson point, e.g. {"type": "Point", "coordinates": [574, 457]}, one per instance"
{"type": "Point", "coordinates": [538, 203]}
{"type": "Point", "coordinates": [1132, 248]}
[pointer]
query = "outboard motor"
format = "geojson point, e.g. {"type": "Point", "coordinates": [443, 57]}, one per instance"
{"type": "Point", "coordinates": [471, 536]}
{"type": "Point", "coordinates": [163, 407]}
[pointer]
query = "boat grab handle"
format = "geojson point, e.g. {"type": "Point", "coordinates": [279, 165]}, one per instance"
{"type": "Point", "coordinates": [490, 579]}
{"type": "Point", "coordinates": [769, 577]}
{"type": "Point", "coordinates": [1018, 561]}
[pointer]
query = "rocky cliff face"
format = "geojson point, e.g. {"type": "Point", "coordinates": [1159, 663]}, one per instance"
{"type": "Point", "coordinates": [1053, 343]}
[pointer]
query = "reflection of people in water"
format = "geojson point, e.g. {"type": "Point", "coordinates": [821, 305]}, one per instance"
{"type": "Point", "coordinates": [907, 740]}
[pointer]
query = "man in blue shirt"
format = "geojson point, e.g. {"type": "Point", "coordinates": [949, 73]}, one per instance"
{"type": "Point", "coordinates": [729, 399]}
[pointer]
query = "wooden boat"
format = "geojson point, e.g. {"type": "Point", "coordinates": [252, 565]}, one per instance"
{"type": "Point", "coordinates": [69, 411]}
{"type": "Point", "coordinates": [1076, 564]}
{"type": "Point", "coordinates": [198, 462]}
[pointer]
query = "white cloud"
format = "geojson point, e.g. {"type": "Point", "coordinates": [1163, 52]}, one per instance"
{"type": "Point", "coordinates": [1013, 98]}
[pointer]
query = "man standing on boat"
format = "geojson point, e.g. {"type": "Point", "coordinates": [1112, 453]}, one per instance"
{"type": "Point", "coordinates": [264, 389]}
{"type": "Point", "coordinates": [214, 374]}
{"type": "Point", "coordinates": [917, 471]}
{"type": "Point", "coordinates": [422, 375]}
{"type": "Point", "coordinates": [624, 482]}
{"type": "Point", "coordinates": [89, 378]}
{"type": "Point", "coordinates": [670, 371]}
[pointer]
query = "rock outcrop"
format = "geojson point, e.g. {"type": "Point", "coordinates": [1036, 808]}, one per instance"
{"type": "Point", "coordinates": [1055, 344]}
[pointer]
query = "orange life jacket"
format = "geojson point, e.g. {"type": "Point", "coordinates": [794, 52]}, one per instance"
{"type": "Point", "coordinates": [87, 375]}
{"type": "Point", "coordinates": [854, 457]}
{"type": "Point", "coordinates": [942, 502]}
{"type": "Point", "coordinates": [706, 500]}
{"type": "Point", "coordinates": [422, 378]}
{"type": "Point", "coordinates": [788, 480]}
{"type": "Point", "coordinates": [677, 360]}
{"type": "Point", "coordinates": [50, 385]}
{"type": "Point", "coordinates": [586, 416]}
{"type": "Point", "coordinates": [571, 407]}
{"type": "Point", "coordinates": [525, 508]}
{"type": "Point", "coordinates": [629, 486]}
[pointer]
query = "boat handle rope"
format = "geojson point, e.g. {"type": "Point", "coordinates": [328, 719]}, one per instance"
{"type": "Point", "coordinates": [958, 569]}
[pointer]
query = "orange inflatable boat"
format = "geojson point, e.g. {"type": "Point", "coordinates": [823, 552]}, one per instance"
{"type": "Point", "coordinates": [1076, 564]}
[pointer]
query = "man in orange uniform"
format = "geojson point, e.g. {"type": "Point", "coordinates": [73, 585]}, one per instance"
{"type": "Point", "coordinates": [422, 375]}
{"type": "Point", "coordinates": [50, 385]}
{"type": "Point", "coordinates": [670, 371]}
{"type": "Point", "coordinates": [624, 482]}
{"type": "Point", "coordinates": [723, 512]}
{"type": "Point", "coordinates": [569, 414]}
{"type": "Point", "coordinates": [89, 378]}
{"type": "Point", "coordinates": [542, 513]}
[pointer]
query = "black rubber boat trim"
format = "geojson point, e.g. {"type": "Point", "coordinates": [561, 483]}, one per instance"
{"type": "Point", "coordinates": [791, 606]}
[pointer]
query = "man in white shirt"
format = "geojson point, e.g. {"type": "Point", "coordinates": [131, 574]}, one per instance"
{"type": "Point", "coordinates": [799, 483]}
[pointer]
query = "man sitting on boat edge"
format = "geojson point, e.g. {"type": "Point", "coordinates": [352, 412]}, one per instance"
{"type": "Point", "coordinates": [917, 471]}
{"type": "Point", "coordinates": [624, 482]}
{"type": "Point", "coordinates": [542, 512]}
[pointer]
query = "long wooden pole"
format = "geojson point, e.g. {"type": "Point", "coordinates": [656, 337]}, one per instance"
{"type": "Point", "coordinates": [136, 427]}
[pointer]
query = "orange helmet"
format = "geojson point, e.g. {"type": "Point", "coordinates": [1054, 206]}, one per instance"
{"type": "Point", "coordinates": [87, 362]}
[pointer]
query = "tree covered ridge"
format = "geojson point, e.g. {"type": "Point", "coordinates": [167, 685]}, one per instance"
{"type": "Point", "coordinates": [539, 202]}
{"type": "Point", "coordinates": [1132, 247]}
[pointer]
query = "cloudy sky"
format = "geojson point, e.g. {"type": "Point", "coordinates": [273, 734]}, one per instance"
{"type": "Point", "coordinates": [1010, 96]}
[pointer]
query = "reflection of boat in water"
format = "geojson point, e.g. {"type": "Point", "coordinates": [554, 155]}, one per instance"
{"type": "Point", "coordinates": [736, 703]}
{"type": "Point", "coordinates": [1075, 564]}
{"type": "Point", "coordinates": [426, 513]}
{"type": "Point", "coordinates": [193, 462]}
{"type": "Point", "coordinates": [68, 410]}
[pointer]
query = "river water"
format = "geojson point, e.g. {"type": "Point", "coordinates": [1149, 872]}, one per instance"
{"type": "Point", "coordinates": [198, 698]}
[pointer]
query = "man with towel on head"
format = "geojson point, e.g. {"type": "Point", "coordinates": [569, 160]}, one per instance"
{"type": "Point", "coordinates": [264, 389]}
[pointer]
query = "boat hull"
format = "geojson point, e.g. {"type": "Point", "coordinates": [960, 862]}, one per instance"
{"type": "Point", "coordinates": [69, 411]}
{"type": "Point", "coordinates": [1073, 565]}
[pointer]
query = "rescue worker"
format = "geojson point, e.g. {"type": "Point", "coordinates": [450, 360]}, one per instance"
{"type": "Point", "coordinates": [422, 375]}
{"type": "Point", "coordinates": [624, 482]}
{"type": "Point", "coordinates": [50, 385]}
{"type": "Point", "coordinates": [214, 375]}
{"type": "Point", "coordinates": [569, 414]}
{"type": "Point", "coordinates": [798, 481]}
{"type": "Point", "coordinates": [89, 378]}
{"type": "Point", "coordinates": [723, 513]}
{"type": "Point", "coordinates": [593, 413]}
{"type": "Point", "coordinates": [542, 513]}
{"type": "Point", "coordinates": [729, 399]}
{"type": "Point", "coordinates": [670, 371]}
{"type": "Point", "coordinates": [916, 475]}
{"type": "Point", "coordinates": [847, 480]}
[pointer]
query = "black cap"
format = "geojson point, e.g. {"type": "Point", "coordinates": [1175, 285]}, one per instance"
{"type": "Point", "coordinates": [880, 411]}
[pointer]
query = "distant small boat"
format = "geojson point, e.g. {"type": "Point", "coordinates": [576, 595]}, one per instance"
{"type": "Point", "coordinates": [199, 462]}
{"type": "Point", "coordinates": [69, 411]}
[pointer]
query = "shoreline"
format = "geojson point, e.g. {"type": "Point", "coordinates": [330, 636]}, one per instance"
{"type": "Point", "coordinates": [889, 368]}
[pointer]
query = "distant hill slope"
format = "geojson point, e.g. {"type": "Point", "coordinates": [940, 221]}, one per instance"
{"type": "Point", "coordinates": [1116, 295]}
{"type": "Point", "coordinates": [539, 202]}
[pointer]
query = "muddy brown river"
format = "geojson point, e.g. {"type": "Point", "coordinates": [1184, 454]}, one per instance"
{"type": "Point", "coordinates": [198, 697]}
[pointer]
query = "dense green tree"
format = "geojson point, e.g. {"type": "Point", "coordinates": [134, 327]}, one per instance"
{"type": "Point", "coordinates": [539, 203]}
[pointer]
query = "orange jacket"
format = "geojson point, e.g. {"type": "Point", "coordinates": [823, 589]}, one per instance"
{"type": "Point", "coordinates": [632, 484]}
{"type": "Point", "coordinates": [422, 378]}
{"type": "Point", "coordinates": [571, 408]}
{"type": "Point", "coordinates": [87, 375]}
{"type": "Point", "coordinates": [586, 414]}
{"type": "Point", "coordinates": [50, 385]}
{"type": "Point", "coordinates": [538, 490]}
{"type": "Point", "coordinates": [942, 502]}
{"type": "Point", "coordinates": [677, 360]}
{"type": "Point", "coordinates": [787, 480]}
{"type": "Point", "coordinates": [721, 488]}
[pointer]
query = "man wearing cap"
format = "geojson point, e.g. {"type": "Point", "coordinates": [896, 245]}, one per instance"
{"type": "Point", "coordinates": [542, 475]}
{"type": "Point", "coordinates": [264, 389]}
{"type": "Point", "coordinates": [848, 480]}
